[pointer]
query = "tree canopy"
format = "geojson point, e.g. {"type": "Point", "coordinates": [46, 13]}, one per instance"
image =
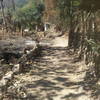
{"type": "Point", "coordinates": [29, 14]}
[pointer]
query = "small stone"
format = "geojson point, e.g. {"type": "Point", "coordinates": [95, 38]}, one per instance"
{"type": "Point", "coordinates": [16, 68]}
{"type": "Point", "coordinates": [8, 76]}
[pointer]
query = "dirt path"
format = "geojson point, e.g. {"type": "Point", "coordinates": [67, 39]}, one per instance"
{"type": "Point", "coordinates": [54, 76]}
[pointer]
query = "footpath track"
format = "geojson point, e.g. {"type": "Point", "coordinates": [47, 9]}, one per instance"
{"type": "Point", "coordinates": [53, 76]}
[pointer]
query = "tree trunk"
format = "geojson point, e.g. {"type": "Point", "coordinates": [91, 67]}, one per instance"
{"type": "Point", "coordinates": [3, 15]}
{"type": "Point", "coordinates": [13, 4]}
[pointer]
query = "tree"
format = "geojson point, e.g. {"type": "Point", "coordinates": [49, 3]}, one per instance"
{"type": "Point", "coordinates": [69, 10]}
{"type": "Point", "coordinates": [3, 14]}
{"type": "Point", "coordinates": [13, 3]}
{"type": "Point", "coordinates": [92, 42]}
{"type": "Point", "coordinates": [80, 16]}
{"type": "Point", "coordinates": [30, 14]}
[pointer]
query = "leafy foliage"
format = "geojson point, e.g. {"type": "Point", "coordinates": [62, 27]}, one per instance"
{"type": "Point", "coordinates": [95, 48]}
{"type": "Point", "coordinates": [29, 14]}
{"type": "Point", "coordinates": [90, 5]}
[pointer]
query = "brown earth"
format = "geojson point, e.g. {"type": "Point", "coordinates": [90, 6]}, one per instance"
{"type": "Point", "coordinates": [56, 75]}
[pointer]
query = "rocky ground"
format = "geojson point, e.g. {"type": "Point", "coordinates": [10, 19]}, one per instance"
{"type": "Point", "coordinates": [56, 75]}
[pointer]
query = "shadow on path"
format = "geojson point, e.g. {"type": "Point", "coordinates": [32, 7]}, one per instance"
{"type": "Point", "coordinates": [53, 77]}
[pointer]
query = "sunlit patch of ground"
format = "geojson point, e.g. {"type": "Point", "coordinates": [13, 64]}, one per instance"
{"type": "Point", "coordinates": [60, 42]}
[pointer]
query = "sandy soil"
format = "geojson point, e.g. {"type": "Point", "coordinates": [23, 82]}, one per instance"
{"type": "Point", "coordinates": [53, 76]}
